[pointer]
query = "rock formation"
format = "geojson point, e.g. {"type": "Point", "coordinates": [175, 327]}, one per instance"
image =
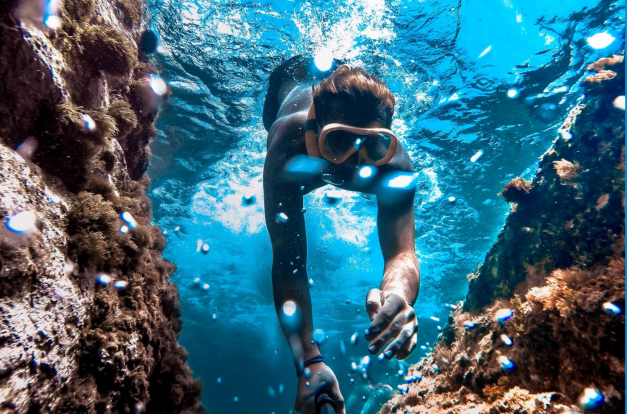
{"type": "Point", "coordinates": [89, 320]}
{"type": "Point", "coordinates": [542, 329]}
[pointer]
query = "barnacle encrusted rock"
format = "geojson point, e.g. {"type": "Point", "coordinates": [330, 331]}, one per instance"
{"type": "Point", "coordinates": [559, 266]}
{"type": "Point", "coordinates": [88, 318]}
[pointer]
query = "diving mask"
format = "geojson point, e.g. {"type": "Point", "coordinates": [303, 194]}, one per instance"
{"type": "Point", "coordinates": [337, 142]}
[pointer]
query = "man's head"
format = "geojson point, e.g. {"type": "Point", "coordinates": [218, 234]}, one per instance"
{"type": "Point", "coordinates": [353, 97]}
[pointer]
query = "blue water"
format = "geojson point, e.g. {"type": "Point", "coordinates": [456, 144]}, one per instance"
{"type": "Point", "coordinates": [450, 66]}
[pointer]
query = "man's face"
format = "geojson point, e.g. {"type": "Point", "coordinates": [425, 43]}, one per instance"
{"type": "Point", "coordinates": [347, 170]}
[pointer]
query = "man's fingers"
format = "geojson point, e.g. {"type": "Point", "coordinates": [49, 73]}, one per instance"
{"type": "Point", "coordinates": [409, 346]}
{"type": "Point", "coordinates": [402, 338]}
{"type": "Point", "coordinates": [393, 304]}
{"type": "Point", "coordinates": [374, 300]}
{"type": "Point", "coordinates": [337, 398]}
{"type": "Point", "coordinates": [389, 332]}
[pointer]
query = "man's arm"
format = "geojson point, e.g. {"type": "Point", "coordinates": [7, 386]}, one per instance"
{"type": "Point", "coordinates": [288, 237]}
{"type": "Point", "coordinates": [396, 228]}
{"type": "Point", "coordinates": [390, 307]}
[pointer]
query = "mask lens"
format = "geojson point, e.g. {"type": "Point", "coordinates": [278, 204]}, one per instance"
{"type": "Point", "coordinates": [377, 146]}
{"type": "Point", "coordinates": [337, 143]}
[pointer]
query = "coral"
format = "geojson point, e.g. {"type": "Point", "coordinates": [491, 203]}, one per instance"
{"type": "Point", "coordinates": [558, 263]}
{"type": "Point", "coordinates": [600, 64]}
{"type": "Point", "coordinates": [516, 190]}
{"type": "Point", "coordinates": [566, 170]}
{"type": "Point", "coordinates": [601, 76]}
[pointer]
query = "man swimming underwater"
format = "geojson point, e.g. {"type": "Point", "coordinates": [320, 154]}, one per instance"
{"type": "Point", "coordinates": [346, 122]}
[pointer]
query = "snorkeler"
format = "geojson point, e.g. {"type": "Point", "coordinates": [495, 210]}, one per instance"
{"type": "Point", "coordinates": [344, 124]}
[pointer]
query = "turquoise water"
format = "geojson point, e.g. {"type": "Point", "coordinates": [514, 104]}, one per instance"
{"type": "Point", "coordinates": [450, 66]}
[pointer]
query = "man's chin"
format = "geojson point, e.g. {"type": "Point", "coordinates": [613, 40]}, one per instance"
{"type": "Point", "coordinates": [340, 174]}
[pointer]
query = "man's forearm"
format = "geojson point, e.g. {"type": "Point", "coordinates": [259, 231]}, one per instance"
{"type": "Point", "coordinates": [289, 286]}
{"type": "Point", "coordinates": [402, 276]}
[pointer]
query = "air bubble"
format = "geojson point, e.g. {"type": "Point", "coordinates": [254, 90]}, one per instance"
{"type": "Point", "coordinates": [503, 315]}
{"type": "Point", "coordinates": [103, 279]}
{"type": "Point", "coordinates": [22, 222]}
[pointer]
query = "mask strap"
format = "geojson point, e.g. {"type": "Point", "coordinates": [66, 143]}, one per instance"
{"type": "Point", "coordinates": [311, 133]}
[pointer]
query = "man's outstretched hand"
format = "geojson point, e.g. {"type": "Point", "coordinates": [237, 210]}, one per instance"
{"type": "Point", "coordinates": [392, 320]}
{"type": "Point", "coordinates": [321, 381]}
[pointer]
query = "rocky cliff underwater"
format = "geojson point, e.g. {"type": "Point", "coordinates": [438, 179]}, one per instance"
{"type": "Point", "coordinates": [542, 329]}
{"type": "Point", "coordinates": [89, 320]}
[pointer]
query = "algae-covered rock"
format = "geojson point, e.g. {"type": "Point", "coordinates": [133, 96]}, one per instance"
{"type": "Point", "coordinates": [557, 223]}
{"type": "Point", "coordinates": [89, 320]}
{"type": "Point", "coordinates": [542, 329]}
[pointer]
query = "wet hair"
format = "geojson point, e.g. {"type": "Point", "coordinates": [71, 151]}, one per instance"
{"type": "Point", "coordinates": [355, 96]}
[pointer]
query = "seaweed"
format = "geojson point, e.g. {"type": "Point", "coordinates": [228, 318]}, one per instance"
{"type": "Point", "coordinates": [120, 110]}
{"type": "Point", "coordinates": [106, 49]}
{"type": "Point", "coordinates": [95, 242]}
{"type": "Point", "coordinates": [78, 10]}
{"type": "Point", "coordinates": [123, 353]}
{"type": "Point", "coordinates": [132, 12]}
{"type": "Point", "coordinates": [66, 145]}
{"type": "Point", "coordinates": [516, 190]}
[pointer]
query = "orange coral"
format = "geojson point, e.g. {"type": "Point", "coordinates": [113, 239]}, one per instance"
{"type": "Point", "coordinates": [599, 65]}
{"type": "Point", "coordinates": [566, 170]}
{"type": "Point", "coordinates": [516, 190]}
{"type": "Point", "coordinates": [601, 76]}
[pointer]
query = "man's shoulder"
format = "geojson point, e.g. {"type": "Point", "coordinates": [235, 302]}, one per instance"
{"type": "Point", "coordinates": [288, 130]}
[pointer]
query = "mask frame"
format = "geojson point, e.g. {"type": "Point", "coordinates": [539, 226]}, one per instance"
{"type": "Point", "coordinates": [316, 148]}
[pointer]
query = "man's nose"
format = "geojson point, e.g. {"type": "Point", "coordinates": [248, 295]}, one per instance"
{"type": "Point", "coordinates": [361, 158]}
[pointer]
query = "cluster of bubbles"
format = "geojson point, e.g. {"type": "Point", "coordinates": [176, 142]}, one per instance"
{"type": "Point", "coordinates": [413, 378]}
{"type": "Point", "coordinates": [271, 391]}
{"type": "Point", "coordinates": [202, 286]}
{"type": "Point", "coordinates": [105, 280]}
{"type": "Point", "coordinates": [202, 247]}
{"type": "Point", "coordinates": [129, 221]}
{"type": "Point", "coordinates": [361, 365]}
